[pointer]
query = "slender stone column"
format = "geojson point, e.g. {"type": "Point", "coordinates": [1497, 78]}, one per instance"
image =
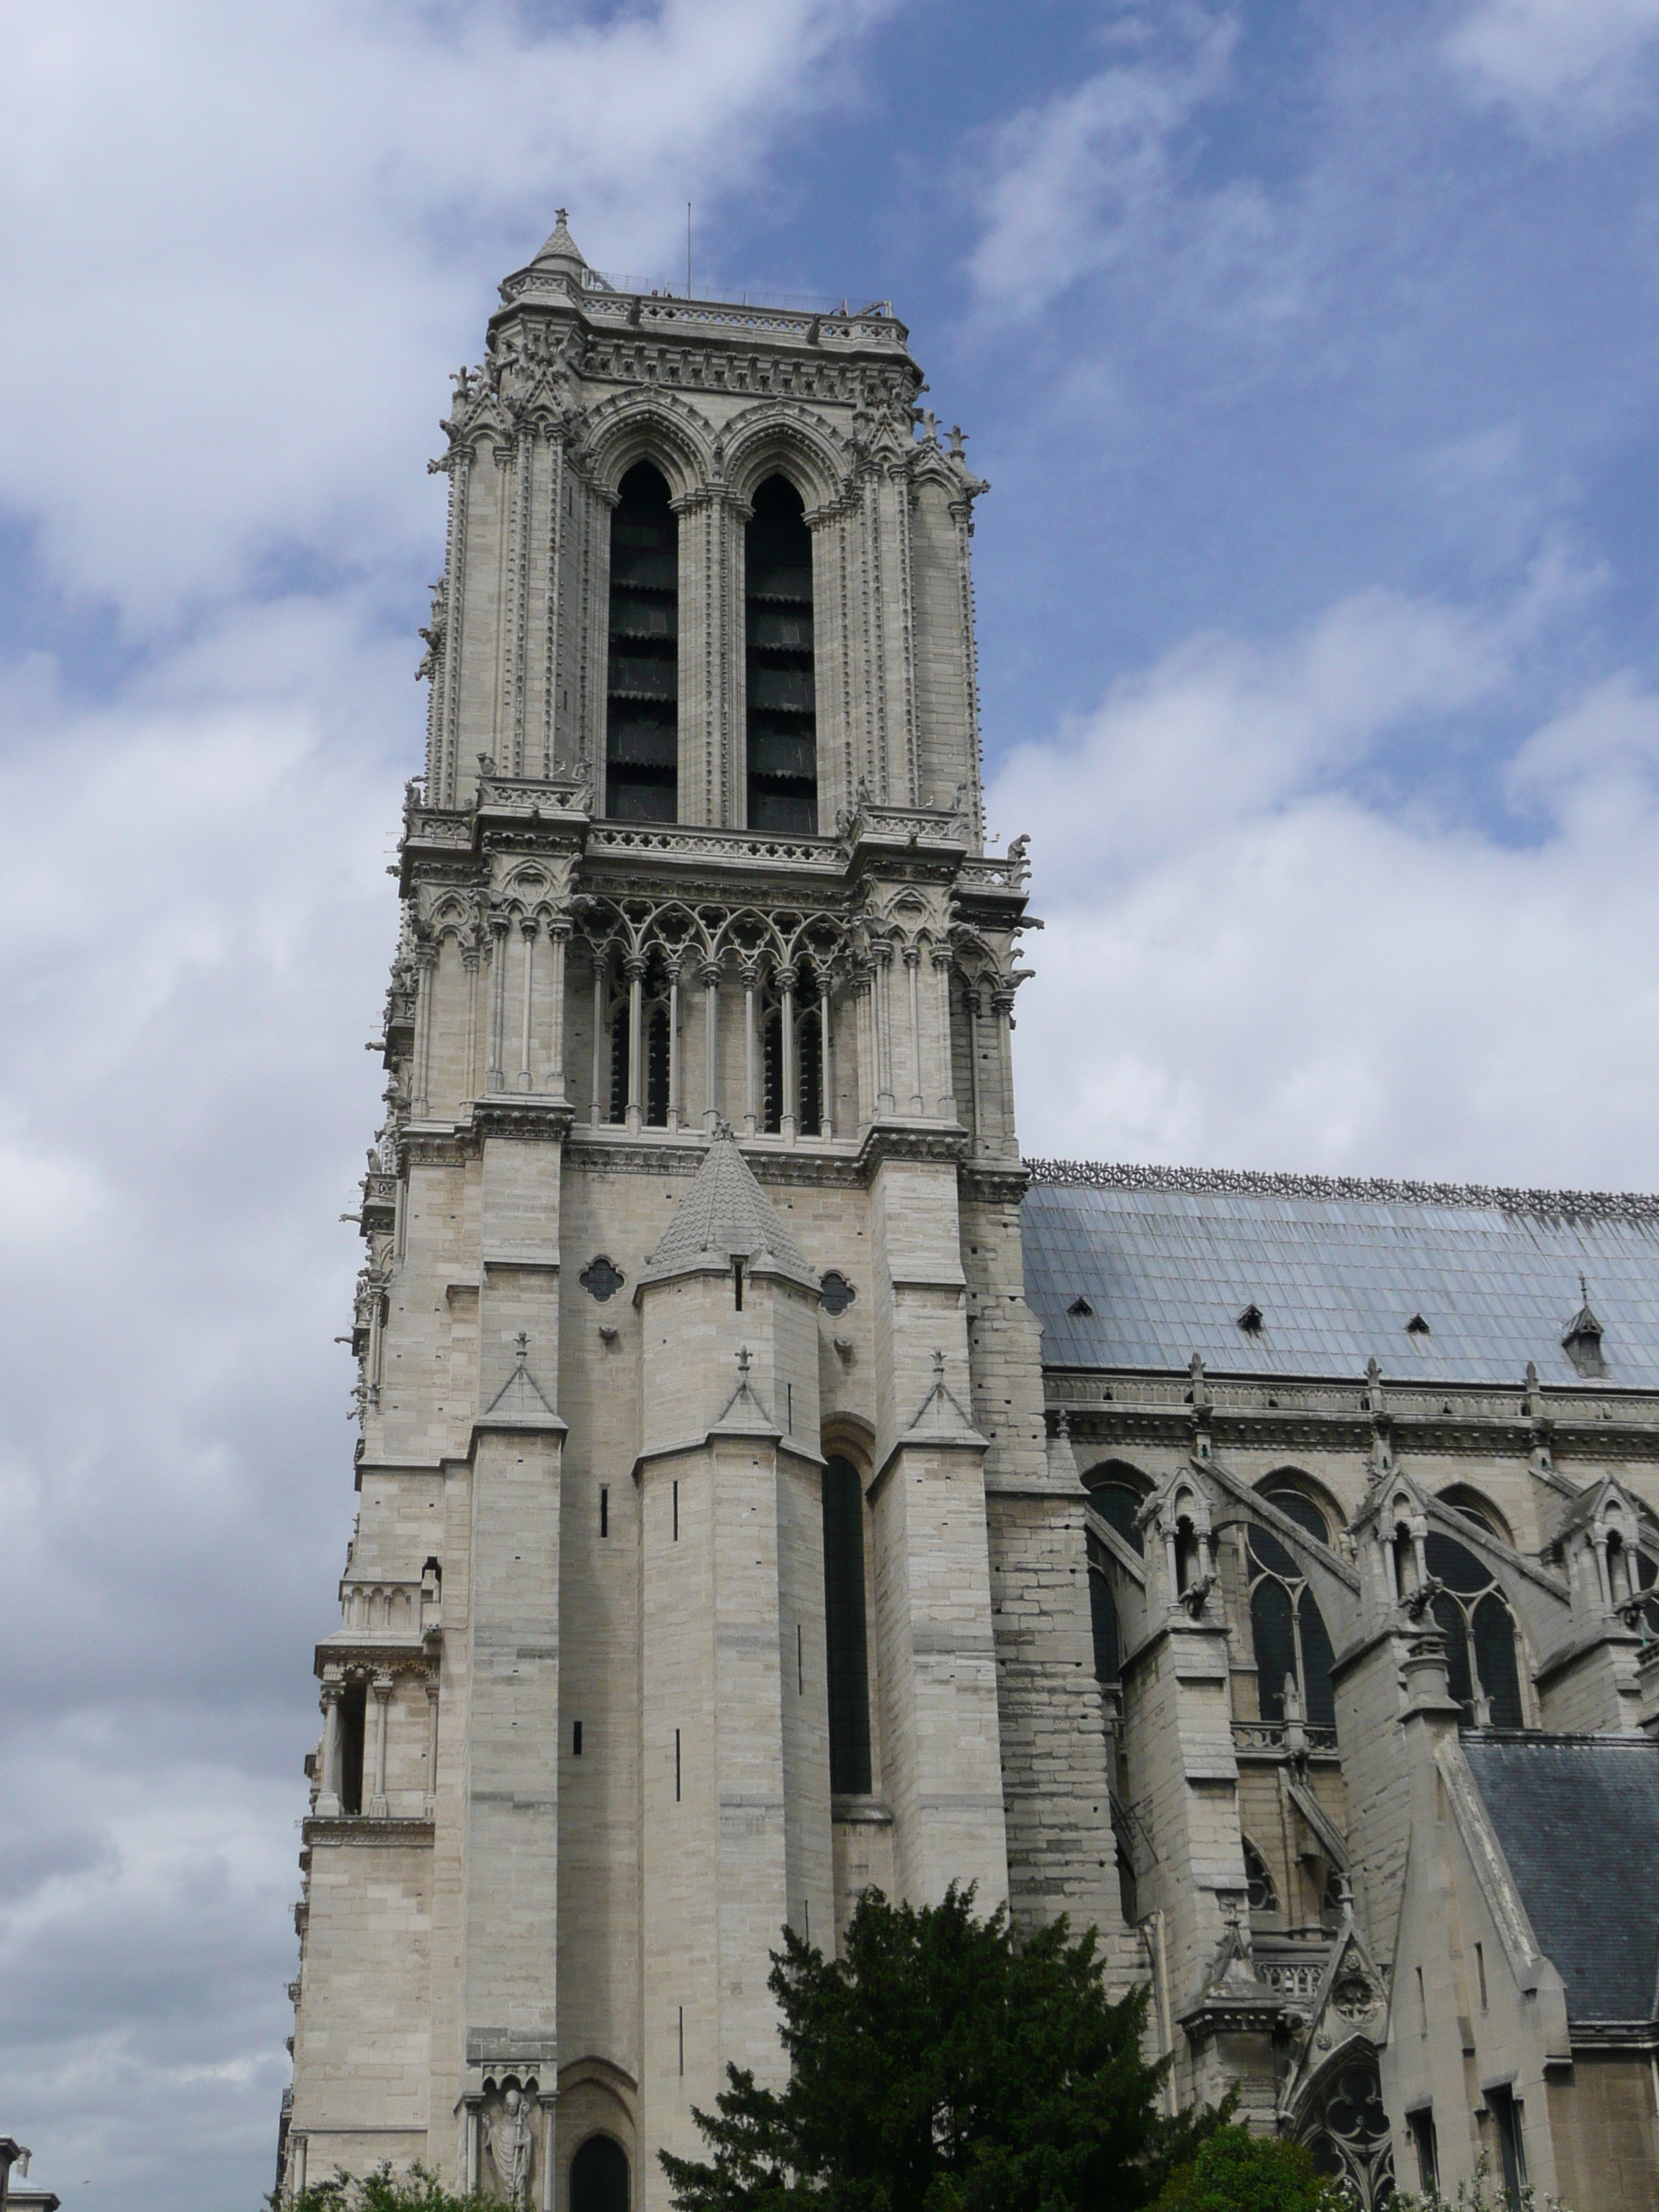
{"type": "Point", "coordinates": [947, 1074]}
{"type": "Point", "coordinates": [558, 936]}
{"type": "Point", "coordinates": [1002, 1004]}
{"type": "Point", "coordinates": [328, 1796]}
{"type": "Point", "coordinates": [494, 1079]}
{"type": "Point", "coordinates": [710, 973]}
{"type": "Point", "coordinates": [913, 962]}
{"type": "Point", "coordinates": [751, 977]}
{"type": "Point", "coordinates": [381, 1687]}
{"type": "Point", "coordinates": [673, 1044]}
{"type": "Point", "coordinates": [372, 1369]}
{"type": "Point", "coordinates": [882, 1011]}
{"type": "Point", "coordinates": [469, 1070]}
{"type": "Point", "coordinates": [864, 1014]}
{"type": "Point", "coordinates": [970, 999]}
{"type": "Point", "coordinates": [789, 1102]}
{"type": "Point", "coordinates": [826, 1083]}
{"type": "Point", "coordinates": [426, 980]}
{"type": "Point", "coordinates": [431, 1747]}
{"type": "Point", "coordinates": [601, 962]}
{"type": "Point", "coordinates": [527, 929]}
{"type": "Point", "coordinates": [634, 969]}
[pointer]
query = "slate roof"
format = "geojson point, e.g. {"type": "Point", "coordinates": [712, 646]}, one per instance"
{"type": "Point", "coordinates": [724, 1212]}
{"type": "Point", "coordinates": [1578, 1819]}
{"type": "Point", "coordinates": [1169, 1259]}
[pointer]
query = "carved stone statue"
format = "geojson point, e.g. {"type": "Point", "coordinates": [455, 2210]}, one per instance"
{"type": "Point", "coordinates": [512, 2147]}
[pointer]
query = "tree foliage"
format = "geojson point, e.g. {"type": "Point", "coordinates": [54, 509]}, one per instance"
{"type": "Point", "coordinates": [939, 2066]}
{"type": "Point", "coordinates": [418, 2190]}
{"type": "Point", "coordinates": [1237, 2172]}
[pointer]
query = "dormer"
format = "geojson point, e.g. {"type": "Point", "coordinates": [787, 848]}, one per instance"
{"type": "Point", "coordinates": [1582, 1340]}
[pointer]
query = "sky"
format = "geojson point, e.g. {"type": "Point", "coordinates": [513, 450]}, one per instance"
{"type": "Point", "coordinates": [1313, 357]}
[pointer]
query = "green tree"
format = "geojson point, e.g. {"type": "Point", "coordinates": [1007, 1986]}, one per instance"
{"type": "Point", "coordinates": [419, 2190]}
{"type": "Point", "coordinates": [1237, 2172]}
{"type": "Point", "coordinates": [939, 2066]}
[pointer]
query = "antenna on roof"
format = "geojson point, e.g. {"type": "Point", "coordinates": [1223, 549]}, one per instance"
{"type": "Point", "coordinates": [688, 249]}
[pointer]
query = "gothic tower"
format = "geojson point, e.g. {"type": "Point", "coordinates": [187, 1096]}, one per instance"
{"type": "Point", "coordinates": [712, 1561]}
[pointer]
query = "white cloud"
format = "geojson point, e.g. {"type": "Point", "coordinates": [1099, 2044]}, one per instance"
{"type": "Point", "coordinates": [243, 239]}
{"type": "Point", "coordinates": [1541, 54]}
{"type": "Point", "coordinates": [239, 243]}
{"type": "Point", "coordinates": [1255, 967]}
{"type": "Point", "coordinates": [1099, 177]}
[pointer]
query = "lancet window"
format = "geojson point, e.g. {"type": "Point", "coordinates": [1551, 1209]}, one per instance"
{"type": "Point", "coordinates": [1470, 1612]}
{"type": "Point", "coordinates": [844, 1629]}
{"type": "Point", "coordinates": [782, 702]}
{"type": "Point", "coordinates": [656, 1050]}
{"type": "Point", "coordinates": [641, 746]}
{"type": "Point", "coordinates": [1102, 1616]}
{"type": "Point", "coordinates": [1292, 1645]}
{"type": "Point", "coordinates": [1263, 1896]}
{"type": "Point", "coordinates": [1116, 1492]}
{"type": "Point", "coordinates": [354, 1709]}
{"type": "Point", "coordinates": [808, 1082]}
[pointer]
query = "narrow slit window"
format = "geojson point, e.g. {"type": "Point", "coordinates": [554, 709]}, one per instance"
{"type": "Point", "coordinates": [676, 1767]}
{"type": "Point", "coordinates": [604, 1511]}
{"type": "Point", "coordinates": [677, 1512]}
{"type": "Point", "coordinates": [641, 741]}
{"type": "Point", "coordinates": [782, 705]}
{"type": "Point", "coordinates": [576, 1739]}
{"type": "Point", "coordinates": [737, 1284]}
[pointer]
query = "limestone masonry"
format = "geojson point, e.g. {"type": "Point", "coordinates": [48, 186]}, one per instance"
{"type": "Point", "coordinates": [770, 1486]}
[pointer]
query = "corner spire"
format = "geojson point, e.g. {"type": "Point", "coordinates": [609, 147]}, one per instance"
{"type": "Point", "coordinates": [561, 248]}
{"type": "Point", "coordinates": [725, 1215]}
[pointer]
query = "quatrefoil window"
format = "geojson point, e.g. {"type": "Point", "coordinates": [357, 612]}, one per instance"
{"type": "Point", "coordinates": [836, 1294]}
{"type": "Point", "coordinates": [601, 1278]}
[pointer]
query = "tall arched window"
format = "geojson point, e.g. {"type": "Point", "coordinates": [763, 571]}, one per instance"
{"type": "Point", "coordinates": [1259, 1881]}
{"type": "Point", "coordinates": [1292, 1500]}
{"type": "Point", "coordinates": [1116, 1492]}
{"type": "Point", "coordinates": [782, 734]}
{"type": "Point", "coordinates": [1287, 1628]}
{"type": "Point", "coordinates": [641, 743]}
{"type": "Point", "coordinates": [1470, 1612]}
{"type": "Point", "coordinates": [843, 1612]}
{"type": "Point", "coordinates": [599, 2176]}
{"type": "Point", "coordinates": [1102, 1615]}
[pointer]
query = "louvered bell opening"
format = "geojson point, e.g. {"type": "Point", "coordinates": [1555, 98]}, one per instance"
{"type": "Point", "coordinates": [642, 708]}
{"type": "Point", "coordinates": [782, 725]}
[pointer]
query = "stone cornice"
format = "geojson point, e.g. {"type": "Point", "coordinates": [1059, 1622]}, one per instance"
{"type": "Point", "coordinates": [524, 1117]}
{"type": "Point", "coordinates": [1151, 1407]}
{"type": "Point", "coordinates": [413, 1658]}
{"type": "Point", "coordinates": [359, 1828]}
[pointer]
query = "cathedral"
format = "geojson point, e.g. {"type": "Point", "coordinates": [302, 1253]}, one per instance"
{"type": "Point", "coordinates": [770, 1485]}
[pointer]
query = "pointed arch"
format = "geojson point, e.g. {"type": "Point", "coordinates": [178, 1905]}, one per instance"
{"type": "Point", "coordinates": [655, 426]}
{"type": "Point", "coordinates": [774, 439]}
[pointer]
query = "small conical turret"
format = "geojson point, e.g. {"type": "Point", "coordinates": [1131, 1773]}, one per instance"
{"type": "Point", "coordinates": [560, 250]}
{"type": "Point", "coordinates": [725, 1215]}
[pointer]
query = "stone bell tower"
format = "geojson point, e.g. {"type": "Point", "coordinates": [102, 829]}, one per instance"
{"type": "Point", "coordinates": [712, 1561]}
